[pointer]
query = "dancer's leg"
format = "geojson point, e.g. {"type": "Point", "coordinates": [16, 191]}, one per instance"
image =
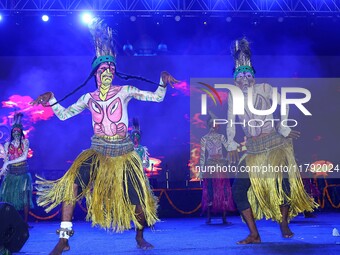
{"type": "Point", "coordinates": [141, 242]}
{"type": "Point", "coordinates": [65, 226]}
{"type": "Point", "coordinates": [285, 230]}
{"type": "Point", "coordinates": [239, 190]}
{"type": "Point", "coordinates": [284, 227]}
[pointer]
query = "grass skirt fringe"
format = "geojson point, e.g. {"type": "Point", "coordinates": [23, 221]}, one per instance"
{"type": "Point", "coordinates": [107, 199]}
{"type": "Point", "coordinates": [17, 190]}
{"type": "Point", "coordinates": [267, 193]}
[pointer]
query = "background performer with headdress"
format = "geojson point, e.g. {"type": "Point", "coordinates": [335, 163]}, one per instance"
{"type": "Point", "coordinates": [142, 151]}
{"type": "Point", "coordinates": [109, 174]}
{"type": "Point", "coordinates": [216, 193]}
{"type": "Point", "coordinates": [279, 196]}
{"type": "Point", "coordinates": [16, 187]}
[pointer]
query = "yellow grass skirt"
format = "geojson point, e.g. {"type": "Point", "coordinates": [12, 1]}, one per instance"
{"type": "Point", "coordinates": [107, 200]}
{"type": "Point", "coordinates": [266, 193]}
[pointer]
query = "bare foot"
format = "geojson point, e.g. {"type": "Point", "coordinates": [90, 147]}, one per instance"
{"type": "Point", "coordinates": [250, 239]}
{"type": "Point", "coordinates": [142, 244]}
{"type": "Point", "coordinates": [61, 246]}
{"type": "Point", "coordinates": [285, 230]}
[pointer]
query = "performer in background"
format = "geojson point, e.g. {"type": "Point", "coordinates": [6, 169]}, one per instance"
{"type": "Point", "coordinates": [140, 149]}
{"type": "Point", "coordinates": [216, 193]}
{"type": "Point", "coordinates": [109, 174]}
{"type": "Point", "coordinates": [257, 194]}
{"type": "Point", "coordinates": [16, 187]}
{"type": "Point", "coordinates": [312, 191]}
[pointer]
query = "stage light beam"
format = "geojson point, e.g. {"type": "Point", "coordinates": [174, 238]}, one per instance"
{"type": "Point", "coordinates": [45, 18]}
{"type": "Point", "coordinates": [133, 18]}
{"type": "Point", "coordinates": [87, 18]}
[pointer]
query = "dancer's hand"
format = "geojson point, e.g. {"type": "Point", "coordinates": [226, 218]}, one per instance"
{"type": "Point", "coordinates": [43, 99]}
{"type": "Point", "coordinates": [233, 156]}
{"type": "Point", "coordinates": [168, 79]}
{"type": "Point", "coordinates": [294, 134]}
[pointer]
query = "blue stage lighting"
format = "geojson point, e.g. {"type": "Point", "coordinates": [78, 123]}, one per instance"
{"type": "Point", "coordinates": [87, 18]}
{"type": "Point", "coordinates": [45, 18]}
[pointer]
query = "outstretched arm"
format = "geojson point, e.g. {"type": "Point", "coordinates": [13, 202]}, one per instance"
{"type": "Point", "coordinates": [286, 131]}
{"type": "Point", "coordinates": [142, 95]}
{"type": "Point", "coordinates": [61, 112]}
{"type": "Point", "coordinates": [65, 113]}
{"type": "Point", "coordinates": [158, 95]}
{"type": "Point", "coordinates": [283, 130]}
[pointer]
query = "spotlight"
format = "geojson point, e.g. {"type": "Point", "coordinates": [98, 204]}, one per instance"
{"type": "Point", "coordinates": [87, 18]}
{"type": "Point", "coordinates": [177, 18]}
{"type": "Point", "coordinates": [133, 18]}
{"type": "Point", "coordinates": [162, 47]}
{"type": "Point", "coordinates": [45, 18]}
{"type": "Point", "coordinates": [280, 19]}
{"type": "Point", "coordinates": [0, 17]}
{"type": "Point", "coordinates": [128, 48]}
{"type": "Point", "coordinates": [205, 23]}
{"type": "Point", "coordinates": [228, 19]}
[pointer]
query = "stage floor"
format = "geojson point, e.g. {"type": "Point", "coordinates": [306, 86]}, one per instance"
{"type": "Point", "coordinates": [193, 236]}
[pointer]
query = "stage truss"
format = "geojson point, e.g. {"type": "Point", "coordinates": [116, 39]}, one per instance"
{"type": "Point", "coordinates": [189, 8]}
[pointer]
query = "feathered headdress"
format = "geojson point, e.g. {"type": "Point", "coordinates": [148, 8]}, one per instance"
{"type": "Point", "coordinates": [241, 53]}
{"type": "Point", "coordinates": [103, 42]}
{"type": "Point", "coordinates": [17, 121]}
{"type": "Point", "coordinates": [104, 47]}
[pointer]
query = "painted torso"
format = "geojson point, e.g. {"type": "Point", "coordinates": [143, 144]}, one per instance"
{"type": "Point", "coordinates": [212, 143]}
{"type": "Point", "coordinates": [15, 152]}
{"type": "Point", "coordinates": [109, 116]}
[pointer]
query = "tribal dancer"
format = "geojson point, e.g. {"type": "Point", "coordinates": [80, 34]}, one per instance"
{"type": "Point", "coordinates": [109, 174]}
{"type": "Point", "coordinates": [216, 193]}
{"type": "Point", "coordinates": [16, 188]}
{"type": "Point", "coordinates": [271, 195]}
{"type": "Point", "coordinates": [140, 149]}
